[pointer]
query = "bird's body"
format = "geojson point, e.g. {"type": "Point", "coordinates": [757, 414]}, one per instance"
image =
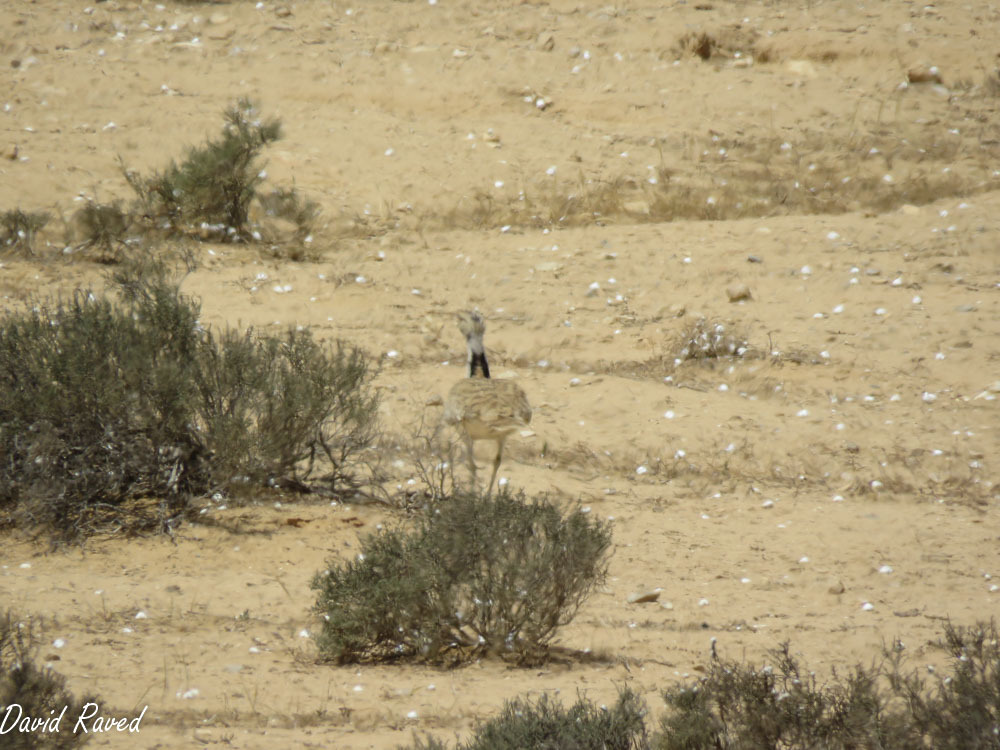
{"type": "Point", "coordinates": [482, 408]}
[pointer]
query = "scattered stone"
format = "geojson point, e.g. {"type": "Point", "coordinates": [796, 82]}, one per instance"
{"type": "Point", "coordinates": [218, 18]}
{"type": "Point", "coordinates": [738, 293]}
{"type": "Point", "coordinates": [11, 152]}
{"type": "Point", "coordinates": [546, 42]}
{"type": "Point", "coordinates": [203, 735]}
{"type": "Point", "coordinates": [837, 588]}
{"type": "Point", "coordinates": [637, 207]}
{"type": "Point", "coordinates": [648, 596]}
{"type": "Point", "coordinates": [282, 12]}
{"type": "Point", "coordinates": [754, 259]}
{"type": "Point", "coordinates": [434, 400]}
{"type": "Point", "coordinates": [924, 75]}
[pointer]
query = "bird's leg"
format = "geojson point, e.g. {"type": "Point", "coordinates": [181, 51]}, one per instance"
{"type": "Point", "coordinates": [496, 465]}
{"type": "Point", "coordinates": [472, 458]}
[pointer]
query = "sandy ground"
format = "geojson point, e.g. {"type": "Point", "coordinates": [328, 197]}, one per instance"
{"type": "Point", "coordinates": [837, 493]}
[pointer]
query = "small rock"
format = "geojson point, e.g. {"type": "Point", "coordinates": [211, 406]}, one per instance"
{"type": "Point", "coordinates": [11, 152]}
{"type": "Point", "coordinates": [282, 12]}
{"type": "Point", "coordinates": [549, 265]}
{"type": "Point", "coordinates": [218, 18]}
{"type": "Point", "coordinates": [738, 293]}
{"type": "Point", "coordinates": [220, 33]}
{"type": "Point", "coordinates": [648, 596]}
{"type": "Point", "coordinates": [545, 42]}
{"type": "Point", "coordinates": [837, 588]}
{"type": "Point", "coordinates": [923, 75]}
{"type": "Point", "coordinates": [637, 207]}
{"type": "Point", "coordinates": [434, 400]}
{"type": "Point", "coordinates": [202, 735]}
{"type": "Point", "coordinates": [909, 210]}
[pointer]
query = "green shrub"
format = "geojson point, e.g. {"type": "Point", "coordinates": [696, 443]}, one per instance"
{"type": "Point", "coordinates": [742, 707]}
{"type": "Point", "coordinates": [546, 725]}
{"type": "Point", "coordinates": [962, 709]}
{"type": "Point", "coordinates": [211, 190]}
{"type": "Point", "coordinates": [107, 403]}
{"type": "Point", "coordinates": [101, 226]}
{"type": "Point", "coordinates": [39, 691]}
{"type": "Point", "coordinates": [18, 229]}
{"type": "Point", "coordinates": [476, 575]}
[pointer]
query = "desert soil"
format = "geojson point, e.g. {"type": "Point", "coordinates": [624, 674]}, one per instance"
{"type": "Point", "coordinates": [834, 487]}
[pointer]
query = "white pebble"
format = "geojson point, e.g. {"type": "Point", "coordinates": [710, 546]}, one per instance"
{"type": "Point", "coordinates": [803, 560]}
{"type": "Point", "coordinates": [885, 569]}
{"type": "Point", "coordinates": [668, 415]}
{"type": "Point", "coordinates": [642, 469]}
{"type": "Point", "coordinates": [929, 397]}
{"type": "Point", "coordinates": [703, 602]}
{"type": "Point", "coordinates": [59, 642]}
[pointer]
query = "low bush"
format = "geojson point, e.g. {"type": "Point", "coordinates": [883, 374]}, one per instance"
{"type": "Point", "coordinates": [106, 403]}
{"type": "Point", "coordinates": [210, 191]}
{"type": "Point", "coordinates": [18, 229]}
{"type": "Point", "coordinates": [740, 706]}
{"type": "Point", "coordinates": [545, 725]}
{"type": "Point", "coordinates": [476, 575]}
{"type": "Point", "coordinates": [39, 691]}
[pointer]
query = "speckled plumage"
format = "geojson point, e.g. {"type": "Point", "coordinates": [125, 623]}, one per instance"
{"type": "Point", "coordinates": [482, 408]}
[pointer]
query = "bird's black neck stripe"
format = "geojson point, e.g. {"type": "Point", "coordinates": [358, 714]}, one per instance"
{"type": "Point", "coordinates": [478, 361]}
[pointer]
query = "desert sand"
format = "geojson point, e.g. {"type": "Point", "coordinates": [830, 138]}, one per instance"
{"type": "Point", "coordinates": [835, 490]}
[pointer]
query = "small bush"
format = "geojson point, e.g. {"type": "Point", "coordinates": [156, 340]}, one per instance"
{"type": "Point", "coordinates": [211, 190]}
{"type": "Point", "coordinates": [39, 691]}
{"type": "Point", "coordinates": [546, 725]}
{"type": "Point", "coordinates": [742, 707]}
{"type": "Point", "coordinates": [962, 709]}
{"type": "Point", "coordinates": [102, 227]}
{"type": "Point", "coordinates": [18, 229]}
{"type": "Point", "coordinates": [477, 575]}
{"type": "Point", "coordinates": [105, 404]}
{"type": "Point", "coordinates": [704, 339]}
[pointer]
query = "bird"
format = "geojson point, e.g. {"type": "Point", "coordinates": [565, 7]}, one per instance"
{"type": "Point", "coordinates": [481, 408]}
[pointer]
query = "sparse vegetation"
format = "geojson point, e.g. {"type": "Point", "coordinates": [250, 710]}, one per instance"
{"type": "Point", "coordinates": [106, 402]}
{"type": "Point", "coordinates": [782, 704]}
{"type": "Point", "coordinates": [705, 339]}
{"type": "Point", "coordinates": [101, 227]}
{"type": "Point", "coordinates": [476, 575]}
{"type": "Point", "coordinates": [39, 691]}
{"type": "Point", "coordinates": [211, 190]}
{"type": "Point", "coordinates": [18, 229]}
{"type": "Point", "coordinates": [544, 724]}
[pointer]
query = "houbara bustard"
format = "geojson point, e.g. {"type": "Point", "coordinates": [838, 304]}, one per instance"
{"type": "Point", "coordinates": [481, 408]}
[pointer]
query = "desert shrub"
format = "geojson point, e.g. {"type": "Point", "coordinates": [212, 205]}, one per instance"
{"type": "Point", "coordinates": [288, 204]}
{"type": "Point", "coordinates": [101, 226]}
{"type": "Point", "coordinates": [475, 575]}
{"type": "Point", "coordinates": [960, 709]}
{"type": "Point", "coordinates": [106, 403]}
{"type": "Point", "coordinates": [18, 229]}
{"type": "Point", "coordinates": [780, 705]}
{"type": "Point", "coordinates": [281, 409]}
{"type": "Point", "coordinates": [39, 691]}
{"type": "Point", "coordinates": [213, 187]}
{"type": "Point", "coordinates": [545, 725]}
{"type": "Point", "coordinates": [704, 339]}
{"type": "Point", "coordinates": [739, 706]}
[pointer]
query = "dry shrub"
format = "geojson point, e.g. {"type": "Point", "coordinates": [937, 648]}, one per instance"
{"type": "Point", "coordinates": [18, 229]}
{"type": "Point", "coordinates": [108, 402]}
{"type": "Point", "coordinates": [40, 692]}
{"type": "Point", "coordinates": [476, 575]}
{"type": "Point", "coordinates": [782, 704]}
{"type": "Point", "coordinates": [544, 724]}
{"type": "Point", "coordinates": [704, 339]}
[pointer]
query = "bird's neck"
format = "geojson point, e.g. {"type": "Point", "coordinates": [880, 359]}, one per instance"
{"type": "Point", "coordinates": [477, 361]}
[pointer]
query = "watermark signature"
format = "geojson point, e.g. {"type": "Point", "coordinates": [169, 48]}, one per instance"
{"type": "Point", "coordinates": [89, 721]}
